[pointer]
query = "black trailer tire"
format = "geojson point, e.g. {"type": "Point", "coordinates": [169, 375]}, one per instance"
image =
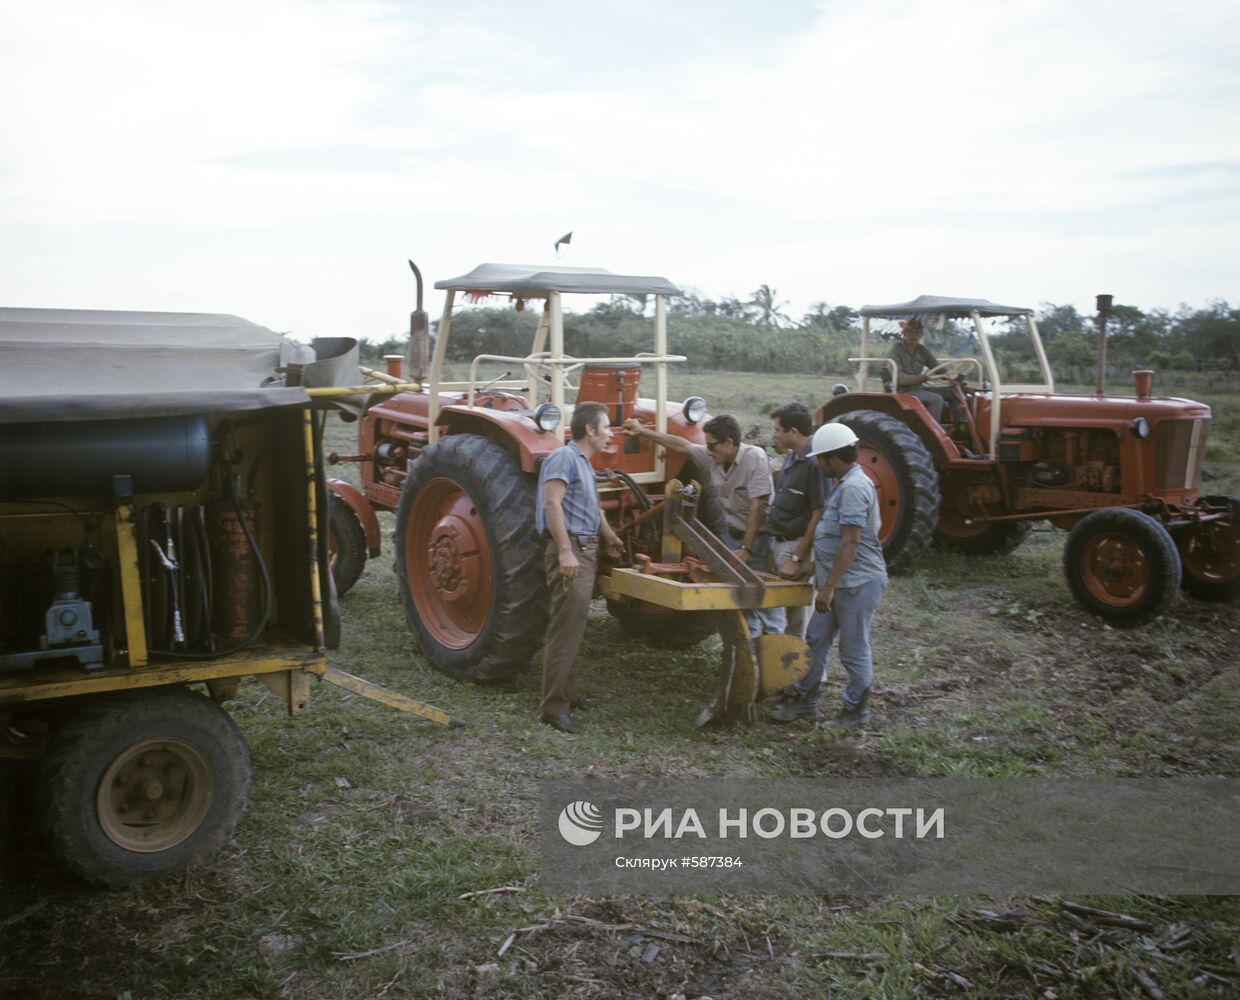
{"type": "Point", "coordinates": [469, 561]}
{"type": "Point", "coordinates": [346, 544]}
{"type": "Point", "coordinates": [140, 784]}
{"type": "Point", "coordinates": [994, 539]}
{"type": "Point", "coordinates": [1210, 554]}
{"type": "Point", "coordinates": [903, 473]}
{"type": "Point", "coordinates": [1122, 565]}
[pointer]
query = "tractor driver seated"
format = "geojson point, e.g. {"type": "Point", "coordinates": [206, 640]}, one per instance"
{"type": "Point", "coordinates": [913, 359]}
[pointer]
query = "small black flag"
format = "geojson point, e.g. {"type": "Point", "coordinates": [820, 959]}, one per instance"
{"type": "Point", "coordinates": [565, 239]}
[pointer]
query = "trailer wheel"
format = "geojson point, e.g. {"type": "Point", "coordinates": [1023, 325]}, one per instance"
{"type": "Point", "coordinates": [469, 561]}
{"type": "Point", "coordinates": [1122, 565]}
{"type": "Point", "coordinates": [346, 544]}
{"type": "Point", "coordinates": [981, 539]}
{"type": "Point", "coordinates": [907, 482]}
{"type": "Point", "coordinates": [140, 784]}
{"type": "Point", "coordinates": [1210, 554]}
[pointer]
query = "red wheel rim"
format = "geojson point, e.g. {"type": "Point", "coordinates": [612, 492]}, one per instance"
{"type": "Point", "coordinates": [1115, 569]}
{"type": "Point", "coordinates": [886, 484]}
{"type": "Point", "coordinates": [448, 563]}
{"type": "Point", "coordinates": [1211, 552]}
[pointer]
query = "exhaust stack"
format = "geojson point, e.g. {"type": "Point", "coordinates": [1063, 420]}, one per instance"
{"type": "Point", "coordinates": [1104, 307]}
{"type": "Point", "coordinates": [419, 335]}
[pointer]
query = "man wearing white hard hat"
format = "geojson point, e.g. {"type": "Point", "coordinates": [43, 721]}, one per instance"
{"type": "Point", "coordinates": [850, 575]}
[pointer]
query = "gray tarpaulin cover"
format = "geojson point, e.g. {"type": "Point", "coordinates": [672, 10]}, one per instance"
{"type": "Point", "coordinates": [936, 305]}
{"type": "Point", "coordinates": [75, 364]}
{"type": "Point", "coordinates": [536, 279]}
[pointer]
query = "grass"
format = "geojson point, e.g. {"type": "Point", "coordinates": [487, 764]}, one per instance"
{"type": "Point", "coordinates": [367, 828]}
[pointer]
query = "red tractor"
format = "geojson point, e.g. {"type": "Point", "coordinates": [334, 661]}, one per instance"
{"type": "Point", "coordinates": [1122, 472]}
{"type": "Point", "coordinates": [458, 463]}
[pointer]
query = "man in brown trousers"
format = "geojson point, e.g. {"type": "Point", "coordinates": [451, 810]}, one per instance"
{"type": "Point", "coordinates": [568, 516]}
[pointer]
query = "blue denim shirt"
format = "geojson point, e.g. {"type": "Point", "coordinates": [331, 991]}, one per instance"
{"type": "Point", "coordinates": [582, 515]}
{"type": "Point", "coordinates": [850, 501]}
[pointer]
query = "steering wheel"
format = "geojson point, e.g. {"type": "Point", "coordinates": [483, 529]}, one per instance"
{"type": "Point", "coordinates": [942, 375]}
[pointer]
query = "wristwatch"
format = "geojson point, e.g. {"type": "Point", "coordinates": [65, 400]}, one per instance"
{"type": "Point", "coordinates": [795, 558]}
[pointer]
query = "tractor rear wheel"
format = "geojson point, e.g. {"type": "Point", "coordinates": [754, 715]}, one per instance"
{"type": "Point", "coordinates": [906, 480]}
{"type": "Point", "coordinates": [346, 544]}
{"type": "Point", "coordinates": [1210, 554]}
{"type": "Point", "coordinates": [981, 538]}
{"type": "Point", "coordinates": [140, 784]}
{"type": "Point", "coordinates": [1122, 565]}
{"type": "Point", "coordinates": [469, 561]}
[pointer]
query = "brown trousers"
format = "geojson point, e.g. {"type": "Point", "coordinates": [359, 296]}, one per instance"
{"type": "Point", "coordinates": [570, 607]}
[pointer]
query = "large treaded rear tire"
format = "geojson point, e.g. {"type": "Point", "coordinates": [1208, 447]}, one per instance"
{"type": "Point", "coordinates": [903, 473]}
{"type": "Point", "coordinates": [469, 561]}
{"type": "Point", "coordinates": [1122, 565]}
{"type": "Point", "coordinates": [139, 784]}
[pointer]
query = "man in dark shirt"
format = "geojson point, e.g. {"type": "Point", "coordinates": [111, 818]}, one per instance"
{"type": "Point", "coordinates": [912, 359]}
{"type": "Point", "coordinates": [797, 503]}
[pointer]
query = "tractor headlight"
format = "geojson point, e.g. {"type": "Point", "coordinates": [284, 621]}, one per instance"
{"type": "Point", "coordinates": [1140, 427]}
{"type": "Point", "coordinates": [548, 417]}
{"type": "Point", "coordinates": [694, 409]}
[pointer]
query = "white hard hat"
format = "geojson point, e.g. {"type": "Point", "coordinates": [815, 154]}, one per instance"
{"type": "Point", "coordinates": [830, 437]}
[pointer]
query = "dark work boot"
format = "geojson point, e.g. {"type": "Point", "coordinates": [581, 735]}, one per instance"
{"type": "Point", "coordinates": [794, 704]}
{"type": "Point", "coordinates": [851, 718]}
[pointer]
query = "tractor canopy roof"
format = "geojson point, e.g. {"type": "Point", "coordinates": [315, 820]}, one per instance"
{"type": "Point", "coordinates": [536, 279]}
{"type": "Point", "coordinates": [937, 305]}
{"type": "Point", "coordinates": [79, 364]}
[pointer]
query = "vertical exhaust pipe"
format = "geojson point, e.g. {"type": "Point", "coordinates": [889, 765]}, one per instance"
{"type": "Point", "coordinates": [1104, 307]}
{"type": "Point", "coordinates": [419, 335]}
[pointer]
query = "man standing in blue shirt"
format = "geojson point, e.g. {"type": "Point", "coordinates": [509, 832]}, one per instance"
{"type": "Point", "coordinates": [851, 576]}
{"type": "Point", "coordinates": [568, 516]}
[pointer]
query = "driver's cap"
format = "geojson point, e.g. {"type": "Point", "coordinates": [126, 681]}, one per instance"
{"type": "Point", "coordinates": [831, 437]}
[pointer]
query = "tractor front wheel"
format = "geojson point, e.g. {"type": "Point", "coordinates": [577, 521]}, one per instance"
{"type": "Point", "coordinates": [907, 483]}
{"type": "Point", "coordinates": [346, 544]}
{"type": "Point", "coordinates": [1210, 553]}
{"type": "Point", "coordinates": [1122, 565]}
{"type": "Point", "coordinates": [981, 538]}
{"type": "Point", "coordinates": [661, 626]}
{"type": "Point", "coordinates": [140, 784]}
{"type": "Point", "coordinates": [469, 561]}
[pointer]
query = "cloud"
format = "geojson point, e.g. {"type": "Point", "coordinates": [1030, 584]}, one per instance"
{"type": "Point", "coordinates": [846, 151]}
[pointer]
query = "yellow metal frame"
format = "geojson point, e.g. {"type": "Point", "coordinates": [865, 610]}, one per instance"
{"type": "Point", "coordinates": [679, 596]}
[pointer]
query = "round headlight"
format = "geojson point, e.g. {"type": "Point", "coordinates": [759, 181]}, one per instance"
{"type": "Point", "coordinates": [694, 409]}
{"type": "Point", "coordinates": [1140, 427]}
{"type": "Point", "coordinates": [548, 417]}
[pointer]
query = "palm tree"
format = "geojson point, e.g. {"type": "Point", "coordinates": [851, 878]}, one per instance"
{"type": "Point", "coordinates": [770, 310]}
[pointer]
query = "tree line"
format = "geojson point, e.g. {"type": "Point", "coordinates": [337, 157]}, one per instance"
{"type": "Point", "coordinates": [758, 335]}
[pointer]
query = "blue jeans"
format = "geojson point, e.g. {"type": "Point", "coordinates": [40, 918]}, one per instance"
{"type": "Point", "coordinates": [851, 613]}
{"type": "Point", "coordinates": [772, 621]}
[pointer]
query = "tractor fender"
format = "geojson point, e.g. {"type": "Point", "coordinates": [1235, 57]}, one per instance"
{"type": "Point", "coordinates": [361, 507]}
{"type": "Point", "coordinates": [907, 409]}
{"type": "Point", "coordinates": [511, 429]}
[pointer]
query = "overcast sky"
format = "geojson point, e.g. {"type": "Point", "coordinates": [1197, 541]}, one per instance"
{"type": "Point", "coordinates": [280, 160]}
